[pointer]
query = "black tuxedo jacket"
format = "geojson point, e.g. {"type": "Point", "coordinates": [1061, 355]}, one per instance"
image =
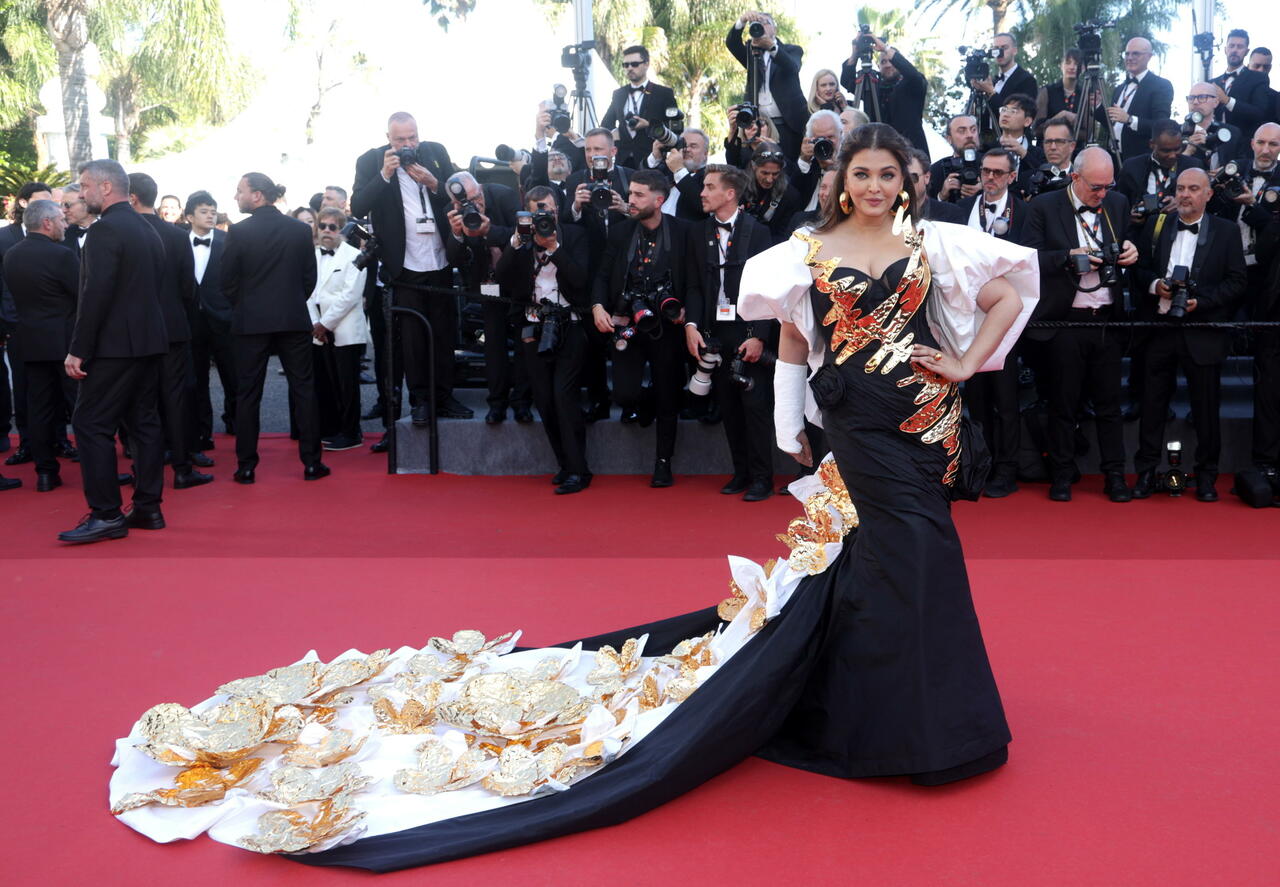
{"type": "Point", "coordinates": [268, 273]}
{"type": "Point", "coordinates": [653, 108]}
{"type": "Point", "coordinates": [209, 295]}
{"type": "Point", "coordinates": [1051, 228]}
{"type": "Point", "coordinates": [780, 223]}
{"type": "Point", "coordinates": [1254, 104]}
{"type": "Point", "coordinates": [44, 278]}
{"type": "Point", "coordinates": [1237, 146]}
{"type": "Point", "coordinates": [611, 278]}
{"type": "Point", "coordinates": [1218, 270]}
{"type": "Point", "coordinates": [177, 285]}
{"type": "Point", "coordinates": [515, 270]}
{"type": "Point", "coordinates": [590, 220]}
{"type": "Point", "coordinates": [379, 201]}
{"type": "Point", "coordinates": [9, 235]}
{"type": "Point", "coordinates": [749, 238]}
{"type": "Point", "coordinates": [784, 77]}
{"type": "Point", "coordinates": [901, 102]}
{"type": "Point", "coordinates": [1017, 218]}
{"type": "Point", "coordinates": [1152, 101]}
{"type": "Point", "coordinates": [1134, 172]}
{"type": "Point", "coordinates": [472, 255]}
{"type": "Point", "coordinates": [121, 270]}
{"type": "Point", "coordinates": [689, 196]}
{"type": "Point", "coordinates": [74, 237]}
{"type": "Point", "coordinates": [1020, 82]}
{"type": "Point", "coordinates": [941, 211]}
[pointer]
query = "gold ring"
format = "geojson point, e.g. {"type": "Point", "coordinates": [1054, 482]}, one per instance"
{"type": "Point", "coordinates": [937, 355]}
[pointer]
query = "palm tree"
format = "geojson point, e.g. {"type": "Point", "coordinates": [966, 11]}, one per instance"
{"type": "Point", "coordinates": [999, 10]}
{"type": "Point", "coordinates": [26, 60]}
{"type": "Point", "coordinates": [68, 24]}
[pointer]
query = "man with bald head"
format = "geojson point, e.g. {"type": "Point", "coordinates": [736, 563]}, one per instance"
{"type": "Point", "coordinates": [1211, 142]}
{"type": "Point", "coordinates": [1196, 256]}
{"type": "Point", "coordinates": [1087, 218]}
{"type": "Point", "coordinates": [1143, 98]}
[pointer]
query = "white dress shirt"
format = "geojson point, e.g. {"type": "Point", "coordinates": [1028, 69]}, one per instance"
{"type": "Point", "coordinates": [1248, 237]}
{"type": "Point", "coordinates": [1101, 297]}
{"type": "Point", "coordinates": [1183, 252]}
{"type": "Point", "coordinates": [422, 252]}
{"type": "Point", "coordinates": [975, 214]}
{"type": "Point", "coordinates": [722, 243]}
{"type": "Point", "coordinates": [200, 254]}
{"type": "Point", "coordinates": [1126, 99]}
{"type": "Point", "coordinates": [545, 284]}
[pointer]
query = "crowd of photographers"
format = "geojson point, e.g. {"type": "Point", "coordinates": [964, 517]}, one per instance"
{"type": "Point", "coordinates": [606, 270]}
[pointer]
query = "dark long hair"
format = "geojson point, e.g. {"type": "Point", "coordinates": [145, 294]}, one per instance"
{"type": "Point", "coordinates": [868, 137]}
{"type": "Point", "coordinates": [261, 182]}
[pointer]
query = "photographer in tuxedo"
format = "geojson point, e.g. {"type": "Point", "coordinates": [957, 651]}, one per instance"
{"type": "Point", "coordinates": [684, 167]}
{"type": "Point", "coordinates": [1155, 173]}
{"type": "Point", "coordinates": [944, 175]}
{"type": "Point", "coordinates": [742, 382]}
{"type": "Point", "coordinates": [117, 345]}
{"type": "Point", "coordinates": [1190, 266]}
{"type": "Point", "coordinates": [480, 222]}
{"type": "Point", "coordinates": [407, 206]}
{"type": "Point", "coordinates": [1011, 79]}
{"type": "Point", "coordinates": [1138, 103]}
{"type": "Point", "coordinates": [902, 92]}
{"type": "Point", "coordinates": [636, 106]}
{"type": "Point", "coordinates": [1211, 144]}
{"type": "Point", "coordinates": [818, 150]}
{"type": "Point", "coordinates": [769, 195]}
{"type": "Point", "coordinates": [338, 332]}
{"type": "Point", "coordinates": [930, 207]}
{"type": "Point", "coordinates": [1244, 96]}
{"type": "Point", "coordinates": [1079, 232]}
{"type": "Point", "coordinates": [646, 279]}
{"type": "Point", "coordinates": [268, 273]}
{"type": "Point", "coordinates": [544, 264]}
{"type": "Point", "coordinates": [177, 301]}
{"type": "Point", "coordinates": [211, 339]}
{"type": "Point", "coordinates": [775, 68]}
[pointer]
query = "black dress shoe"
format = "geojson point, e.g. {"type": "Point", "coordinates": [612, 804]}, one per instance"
{"type": "Point", "coordinates": [21, 456]}
{"type": "Point", "coordinates": [1115, 488]}
{"type": "Point", "coordinates": [315, 471]}
{"type": "Point", "coordinates": [1060, 490]}
{"type": "Point", "coordinates": [188, 479]}
{"type": "Point", "coordinates": [47, 483]}
{"type": "Point", "coordinates": [375, 412]}
{"type": "Point", "coordinates": [1145, 484]}
{"type": "Point", "coordinates": [559, 477]}
{"type": "Point", "coordinates": [1002, 483]}
{"type": "Point", "coordinates": [494, 416]}
{"type": "Point", "coordinates": [96, 529]}
{"type": "Point", "coordinates": [645, 415]}
{"type": "Point", "coordinates": [420, 415]}
{"type": "Point", "coordinates": [629, 417]}
{"type": "Point", "coordinates": [243, 476]}
{"type": "Point", "coordinates": [64, 450]}
{"type": "Point", "coordinates": [200, 460]}
{"type": "Point", "coordinates": [142, 519]}
{"type": "Point", "coordinates": [523, 415]}
{"type": "Point", "coordinates": [203, 444]}
{"type": "Point", "coordinates": [10, 483]}
{"type": "Point", "coordinates": [574, 483]}
{"type": "Point", "coordinates": [758, 491]}
{"type": "Point", "coordinates": [452, 408]}
{"type": "Point", "coordinates": [597, 412]}
{"type": "Point", "coordinates": [381, 446]}
{"type": "Point", "coordinates": [124, 479]}
{"type": "Point", "coordinates": [662, 474]}
{"type": "Point", "coordinates": [737, 484]}
{"type": "Point", "coordinates": [1205, 489]}
{"type": "Point", "coordinates": [340, 442]}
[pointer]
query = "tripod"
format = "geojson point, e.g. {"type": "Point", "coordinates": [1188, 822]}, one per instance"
{"type": "Point", "coordinates": [1090, 88]}
{"type": "Point", "coordinates": [584, 109]}
{"type": "Point", "coordinates": [977, 108]}
{"type": "Point", "coordinates": [867, 83]}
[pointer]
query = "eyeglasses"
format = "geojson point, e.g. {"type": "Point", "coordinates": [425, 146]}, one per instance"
{"type": "Point", "coordinates": [995, 172]}
{"type": "Point", "coordinates": [1056, 142]}
{"type": "Point", "coordinates": [915, 176]}
{"type": "Point", "coordinates": [633, 64]}
{"type": "Point", "coordinates": [1202, 97]}
{"type": "Point", "coordinates": [1096, 188]}
{"type": "Point", "coordinates": [327, 226]}
{"type": "Point", "coordinates": [1135, 55]}
{"type": "Point", "coordinates": [770, 157]}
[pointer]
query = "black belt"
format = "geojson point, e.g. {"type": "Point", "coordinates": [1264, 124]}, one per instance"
{"type": "Point", "coordinates": [1104, 311]}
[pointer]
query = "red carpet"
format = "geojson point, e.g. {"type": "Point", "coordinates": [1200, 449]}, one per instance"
{"type": "Point", "coordinates": [1134, 646]}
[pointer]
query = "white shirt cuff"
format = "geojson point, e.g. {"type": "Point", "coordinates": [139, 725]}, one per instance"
{"type": "Point", "coordinates": [804, 165]}
{"type": "Point", "coordinates": [1133, 123]}
{"type": "Point", "coordinates": [651, 161]}
{"type": "Point", "coordinates": [541, 145]}
{"type": "Point", "coordinates": [681, 173]}
{"type": "Point", "coordinates": [1231, 104]}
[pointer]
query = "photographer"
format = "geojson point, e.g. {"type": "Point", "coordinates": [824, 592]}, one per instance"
{"type": "Point", "coordinates": [996, 211]}
{"type": "Point", "coordinates": [481, 222]}
{"type": "Point", "coordinates": [643, 284]}
{"type": "Point", "coordinates": [825, 94]}
{"type": "Point", "coordinates": [930, 207]}
{"type": "Point", "coordinates": [1190, 265]}
{"type": "Point", "coordinates": [407, 206]}
{"type": "Point", "coordinates": [1209, 143]}
{"type": "Point", "coordinates": [1079, 233]}
{"type": "Point", "coordinates": [1141, 100]}
{"type": "Point", "coordinates": [544, 264]}
{"type": "Point", "coordinates": [742, 381]}
{"type": "Point", "coordinates": [769, 196]}
{"type": "Point", "coordinates": [1154, 175]}
{"type": "Point", "coordinates": [684, 166]}
{"type": "Point", "coordinates": [774, 67]}
{"type": "Point", "coordinates": [636, 107]}
{"type": "Point", "coordinates": [1244, 96]}
{"type": "Point", "coordinates": [555, 154]}
{"type": "Point", "coordinates": [1062, 97]}
{"type": "Point", "coordinates": [902, 91]}
{"type": "Point", "coordinates": [956, 176]}
{"type": "Point", "coordinates": [742, 141]}
{"type": "Point", "coordinates": [822, 135]}
{"type": "Point", "coordinates": [1017, 115]}
{"type": "Point", "coordinates": [1011, 78]}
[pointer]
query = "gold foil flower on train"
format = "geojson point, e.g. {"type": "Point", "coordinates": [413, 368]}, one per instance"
{"type": "Point", "coordinates": [319, 746]}
{"type": "Point", "coordinates": [218, 737]}
{"type": "Point", "coordinates": [521, 771]}
{"type": "Point", "coordinates": [309, 683]}
{"type": "Point", "coordinates": [614, 669]}
{"type": "Point", "coordinates": [292, 831]}
{"type": "Point", "coordinates": [417, 710]}
{"type": "Point", "coordinates": [442, 769]}
{"type": "Point", "coordinates": [506, 705]}
{"type": "Point", "coordinates": [461, 651]}
{"type": "Point", "coordinates": [292, 785]}
{"type": "Point", "coordinates": [193, 787]}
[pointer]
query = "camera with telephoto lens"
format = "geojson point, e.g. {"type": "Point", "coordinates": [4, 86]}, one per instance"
{"type": "Point", "coordinates": [1174, 481]}
{"type": "Point", "coordinates": [472, 218]}
{"type": "Point", "coordinates": [756, 30]}
{"type": "Point", "coordinates": [643, 317]}
{"type": "Point", "coordinates": [823, 149]}
{"type": "Point", "coordinates": [508, 154]}
{"type": "Point", "coordinates": [1228, 181]}
{"type": "Point", "coordinates": [622, 336]}
{"type": "Point", "coordinates": [1181, 288]}
{"type": "Point", "coordinates": [1109, 270]}
{"type": "Point", "coordinates": [601, 192]}
{"type": "Point", "coordinates": [667, 132]}
{"type": "Point", "coordinates": [1089, 42]}
{"type": "Point", "coordinates": [553, 318]}
{"type": "Point", "coordinates": [709, 358]}
{"type": "Point", "coordinates": [748, 114]}
{"type": "Point", "coordinates": [357, 234]}
{"type": "Point", "coordinates": [1044, 180]}
{"type": "Point", "coordinates": [976, 65]}
{"type": "Point", "coordinates": [864, 44]}
{"type": "Point", "coordinates": [1269, 198]}
{"type": "Point", "coordinates": [561, 118]}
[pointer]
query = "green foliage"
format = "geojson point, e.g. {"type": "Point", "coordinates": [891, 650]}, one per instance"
{"type": "Point", "coordinates": [27, 60]}
{"type": "Point", "coordinates": [16, 172]}
{"type": "Point", "coordinates": [447, 11]}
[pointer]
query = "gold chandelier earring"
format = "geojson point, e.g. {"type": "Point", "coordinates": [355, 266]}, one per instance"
{"type": "Point", "coordinates": [846, 203]}
{"type": "Point", "coordinates": [902, 218]}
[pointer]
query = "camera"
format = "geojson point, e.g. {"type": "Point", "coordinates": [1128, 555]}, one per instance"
{"type": "Point", "coordinates": [1174, 481]}
{"type": "Point", "coordinates": [1182, 287]}
{"type": "Point", "coordinates": [508, 154]}
{"type": "Point", "coordinates": [976, 66]}
{"type": "Point", "coordinates": [1109, 271]}
{"type": "Point", "coordinates": [966, 166]}
{"type": "Point", "coordinates": [561, 119]}
{"type": "Point", "coordinates": [643, 317]}
{"type": "Point", "coordinates": [601, 193]}
{"type": "Point", "coordinates": [552, 318]}
{"type": "Point", "coordinates": [472, 218]}
{"type": "Point", "coordinates": [864, 45]}
{"type": "Point", "coordinates": [756, 30]}
{"type": "Point", "coordinates": [1269, 198]}
{"type": "Point", "coordinates": [1228, 181]}
{"type": "Point", "coordinates": [1044, 180]}
{"type": "Point", "coordinates": [709, 358]}
{"type": "Point", "coordinates": [649, 301]}
{"type": "Point", "coordinates": [667, 132]}
{"type": "Point", "coordinates": [1215, 134]}
{"type": "Point", "coordinates": [1149, 204]}
{"type": "Point", "coordinates": [1089, 42]}
{"type": "Point", "coordinates": [622, 336]}
{"type": "Point", "coordinates": [408, 156]}
{"type": "Point", "coordinates": [357, 234]}
{"type": "Point", "coordinates": [823, 149]}
{"type": "Point", "coordinates": [748, 114]}
{"type": "Point", "coordinates": [544, 223]}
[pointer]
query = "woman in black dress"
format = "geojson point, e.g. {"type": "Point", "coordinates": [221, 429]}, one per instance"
{"type": "Point", "coordinates": [1062, 97]}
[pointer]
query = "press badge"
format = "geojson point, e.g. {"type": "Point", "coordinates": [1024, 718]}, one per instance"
{"type": "Point", "coordinates": [531, 315]}
{"type": "Point", "coordinates": [728, 311]}
{"type": "Point", "coordinates": [489, 290]}
{"type": "Point", "coordinates": [425, 225]}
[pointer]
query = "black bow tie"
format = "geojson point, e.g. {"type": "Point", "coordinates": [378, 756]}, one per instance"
{"type": "Point", "coordinates": [728, 226]}
{"type": "Point", "coordinates": [195, 241]}
{"type": "Point", "coordinates": [1082, 209]}
{"type": "Point", "coordinates": [325, 252]}
{"type": "Point", "coordinates": [637, 89]}
{"type": "Point", "coordinates": [990, 207]}
{"type": "Point", "coordinates": [1183, 226]}
{"type": "Point", "coordinates": [1129, 80]}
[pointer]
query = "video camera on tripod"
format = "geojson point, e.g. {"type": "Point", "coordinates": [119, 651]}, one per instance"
{"type": "Point", "coordinates": [1089, 42]}
{"type": "Point", "coordinates": [577, 58]}
{"type": "Point", "coordinates": [1090, 86]}
{"type": "Point", "coordinates": [977, 64]}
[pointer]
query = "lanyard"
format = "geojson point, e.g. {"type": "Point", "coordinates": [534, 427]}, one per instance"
{"type": "Point", "coordinates": [1007, 215]}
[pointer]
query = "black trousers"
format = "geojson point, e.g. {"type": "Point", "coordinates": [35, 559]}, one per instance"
{"type": "Point", "coordinates": [1166, 352]}
{"type": "Point", "coordinates": [18, 370]}
{"type": "Point", "coordinates": [555, 384]}
{"type": "Point", "coordinates": [46, 411]}
{"type": "Point", "coordinates": [442, 312]}
{"type": "Point", "coordinates": [1085, 361]}
{"type": "Point", "coordinates": [1266, 397]}
{"type": "Point", "coordinates": [665, 357]}
{"type": "Point", "coordinates": [788, 138]}
{"type": "Point", "coordinates": [177, 384]}
{"type": "Point", "coordinates": [747, 416]}
{"type": "Point", "coordinates": [338, 388]}
{"type": "Point", "coordinates": [993, 403]}
{"type": "Point", "coordinates": [6, 390]}
{"type": "Point", "coordinates": [252, 353]}
{"type": "Point", "coordinates": [508, 379]}
{"type": "Point", "coordinates": [211, 345]}
{"type": "Point", "coordinates": [595, 364]}
{"type": "Point", "coordinates": [120, 391]}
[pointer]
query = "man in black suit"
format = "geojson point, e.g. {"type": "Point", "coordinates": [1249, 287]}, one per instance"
{"type": "Point", "coordinates": [902, 92]}
{"type": "Point", "coordinates": [1205, 252]}
{"type": "Point", "coordinates": [474, 251]}
{"type": "Point", "coordinates": [43, 279]}
{"type": "Point", "coordinates": [1086, 218]}
{"type": "Point", "coordinates": [77, 216]}
{"type": "Point", "coordinates": [685, 167]}
{"type": "Point", "coordinates": [944, 175]}
{"type": "Point", "coordinates": [177, 301]}
{"type": "Point", "coordinates": [930, 207]}
{"type": "Point", "coordinates": [720, 247]}
{"type": "Point", "coordinates": [636, 107]}
{"type": "Point", "coordinates": [1017, 115]}
{"type": "Point", "coordinates": [117, 345]}
{"type": "Point", "coordinates": [1142, 99]}
{"type": "Point", "coordinates": [648, 254]}
{"type": "Point", "coordinates": [13, 402]}
{"type": "Point", "coordinates": [1210, 143]}
{"type": "Point", "coordinates": [407, 207]}
{"type": "Point", "coordinates": [824, 129]}
{"type": "Point", "coordinates": [1244, 96]}
{"type": "Point", "coordinates": [1155, 173]}
{"type": "Point", "coordinates": [549, 272]}
{"type": "Point", "coordinates": [773, 67]}
{"type": "Point", "coordinates": [1011, 79]}
{"type": "Point", "coordinates": [1260, 62]}
{"type": "Point", "coordinates": [268, 273]}
{"type": "Point", "coordinates": [211, 339]}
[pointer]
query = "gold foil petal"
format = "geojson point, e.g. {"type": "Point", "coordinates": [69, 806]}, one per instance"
{"type": "Point", "coordinates": [412, 717]}
{"type": "Point", "coordinates": [337, 745]}
{"type": "Point", "coordinates": [650, 696]}
{"type": "Point", "coordinates": [296, 785]}
{"type": "Point", "coordinates": [439, 771]}
{"type": "Point", "coordinates": [279, 686]}
{"type": "Point", "coordinates": [292, 831]}
{"type": "Point", "coordinates": [193, 787]}
{"type": "Point", "coordinates": [220, 736]}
